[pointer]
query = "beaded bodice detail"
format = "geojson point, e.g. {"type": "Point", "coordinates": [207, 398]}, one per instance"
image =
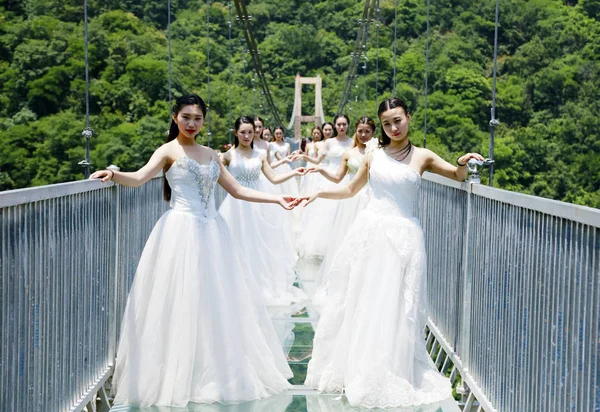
{"type": "Point", "coordinates": [192, 186]}
{"type": "Point", "coordinates": [245, 170]}
{"type": "Point", "coordinates": [394, 185]}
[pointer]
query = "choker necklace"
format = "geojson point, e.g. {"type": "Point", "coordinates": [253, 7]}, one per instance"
{"type": "Point", "coordinates": [401, 154]}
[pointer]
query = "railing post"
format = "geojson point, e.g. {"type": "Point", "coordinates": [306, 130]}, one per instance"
{"type": "Point", "coordinates": [112, 346]}
{"type": "Point", "coordinates": [464, 348]}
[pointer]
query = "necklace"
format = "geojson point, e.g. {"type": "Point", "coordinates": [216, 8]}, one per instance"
{"type": "Point", "coordinates": [401, 154]}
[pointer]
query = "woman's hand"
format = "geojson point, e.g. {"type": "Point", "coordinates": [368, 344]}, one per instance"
{"type": "Point", "coordinates": [301, 171]}
{"type": "Point", "coordinates": [463, 160]}
{"type": "Point", "coordinates": [105, 175]}
{"type": "Point", "coordinates": [306, 200]}
{"type": "Point", "coordinates": [314, 169]}
{"type": "Point", "coordinates": [298, 156]}
{"type": "Point", "coordinates": [287, 202]}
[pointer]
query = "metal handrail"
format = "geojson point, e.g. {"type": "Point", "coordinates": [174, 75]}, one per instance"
{"type": "Point", "coordinates": [513, 279]}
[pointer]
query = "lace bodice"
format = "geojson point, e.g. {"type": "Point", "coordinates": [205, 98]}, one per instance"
{"type": "Point", "coordinates": [193, 185]}
{"type": "Point", "coordinates": [394, 185]}
{"type": "Point", "coordinates": [245, 170]}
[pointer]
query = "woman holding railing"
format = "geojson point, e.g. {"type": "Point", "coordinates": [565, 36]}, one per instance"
{"type": "Point", "coordinates": [369, 340]}
{"type": "Point", "coordinates": [195, 328]}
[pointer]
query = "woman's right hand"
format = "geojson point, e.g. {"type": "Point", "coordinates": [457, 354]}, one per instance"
{"type": "Point", "coordinates": [105, 175]}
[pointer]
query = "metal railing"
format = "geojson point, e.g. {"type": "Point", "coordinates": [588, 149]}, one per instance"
{"type": "Point", "coordinates": [67, 257]}
{"type": "Point", "coordinates": [513, 284]}
{"type": "Point", "coordinates": [514, 291]}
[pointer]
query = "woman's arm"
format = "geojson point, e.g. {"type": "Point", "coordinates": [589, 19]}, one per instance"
{"type": "Point", "coordinates": [277, 179]}
{"type": "Point", "coordinates": [157, 162]}
{"type": "Point", "coordinates": [437, 165]}
{"type": "Point", "coordinates": [231, 186]}
{"type": "Point", "coordinates": [360, 180]}
{"type": "Point", "coordinates": [278, 163]}
{"type": "Point", "coordinates": [338, 175]}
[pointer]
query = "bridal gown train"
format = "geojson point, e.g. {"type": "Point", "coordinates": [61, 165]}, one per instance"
{"type": "Point", "coordinates": [369, 341]}
{"type": "Point", "coordinates": [195, 327]}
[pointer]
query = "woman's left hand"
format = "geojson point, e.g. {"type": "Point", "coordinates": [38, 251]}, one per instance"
{"type": "Point", "coordinates": [287, 202]}
{"type": "Point", "coordinates": [463, 160]}
{"type": "Point", "coordinates": [301, 171]}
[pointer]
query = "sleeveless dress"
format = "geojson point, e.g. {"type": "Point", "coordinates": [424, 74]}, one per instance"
{"type": "Point", "coordinates": [369, 341]}
{"type": "Point", "coordinates": [344, 218]}
{"type": "Point", "coordinates": [291, 186]}
{"type": "Point", "coordinates": [195, 327]}
{"type": "Point", "coordinates": [270, 252]}
{"type": "Point", "coordinates": [317, 231]}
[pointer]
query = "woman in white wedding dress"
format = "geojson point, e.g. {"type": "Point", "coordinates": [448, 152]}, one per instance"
{"type": "Point", "coordinates": [316, 227]}
{"type": "Point", "coordinates": [271, 255]}
{"type": "Point", "coordinates": [195, 327]}
{"type": "Point", "coordinates": [364, 142]}
{"type": "Point", "coordinates": [369, 341]}
{"type": "Point", "coordinates": [280, 150]}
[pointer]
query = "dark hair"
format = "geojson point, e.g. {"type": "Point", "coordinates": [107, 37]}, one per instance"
{"type": "Point", "coordinates": [282, 131]}
{"type": "Point", "coordinates": [363, 120]}
{"type": "Point", "coordinates": [319, 129]}
{"type": "Point", "coordinates": [345, 116]}
{"type": "Point", "coordinates": [255, 118]}
{"type": "Point", "coordinates": [332, 128]}
{"type": "Point", "coordinates": [180, 103]}
{"type": "Point", "coordinates": [238, 123]}
{"type": "Point", "coordinates": [389, 104]}
{"type": "Point", "coordinates": [263, 132]}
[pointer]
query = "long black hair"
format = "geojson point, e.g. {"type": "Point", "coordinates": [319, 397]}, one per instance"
{"type": "Point", "coordinates": [345, 116]}
{"type": "Point", "coordinates": [332, 129]}
{"type": "Point", "coordinates": [363, 120]}
{"type": "Point", "coordinates": [240, 121]}
{"type": "Point", "coordinates": [388, 104]}
{"type": "Point", "coordinates": [180, 103]}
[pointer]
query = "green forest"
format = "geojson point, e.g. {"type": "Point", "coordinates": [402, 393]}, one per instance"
{"type": "Point", "coordinates": [548, 86]}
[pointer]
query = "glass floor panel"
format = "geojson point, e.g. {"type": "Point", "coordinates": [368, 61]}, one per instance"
{"type": "Point", "coordinates": [294, 325]}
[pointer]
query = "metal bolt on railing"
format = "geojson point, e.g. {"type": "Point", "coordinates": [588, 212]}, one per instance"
{"type": "Point", "coordinates": [473, 167]}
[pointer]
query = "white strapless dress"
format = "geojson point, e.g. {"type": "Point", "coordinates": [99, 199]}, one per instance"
{"type": "Point", "coordinates": [195, 327]}
{"type": "Point", "coordinates": [369, 341]}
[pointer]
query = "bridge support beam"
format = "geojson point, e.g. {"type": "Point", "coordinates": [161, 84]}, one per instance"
{"type": "Point", "coordinates": [297, 117]}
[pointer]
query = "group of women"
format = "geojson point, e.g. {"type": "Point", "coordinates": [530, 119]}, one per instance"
{"type": "Point", "coordinates": [196, 326]}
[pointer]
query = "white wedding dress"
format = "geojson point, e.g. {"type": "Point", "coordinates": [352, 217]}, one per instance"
{"type": "Point", "coordinates": [317, 228]}
{"type": "Point", "coordinates": [346, 214]}
{"type": "Point", "coordinates": [195, 327]}
{"type": "Point", "coordinates": [257, 228]}
{"type": "Point", "coordinates": [369, 340]}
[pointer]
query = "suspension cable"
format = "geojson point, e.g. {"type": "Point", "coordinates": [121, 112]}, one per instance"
{"type": "Point", "coordinates": [230, 138]}
{"type": "Point", "coordinates": [169, 68]}
{"type": "Point", "coordinates": [426, 80]}
{"type": "Point", "coordinates": [208, 133]}
{"type": "Point", "coordinates": [377, 19]}
{"type": "Point", "coordinates": [395, 42]}
{"type": "Point", "coordinates": [493, 121]}
{"type": "Point", "coordinates": [87, 132]}
{"type": "Point", "coordinates": [360, 39]}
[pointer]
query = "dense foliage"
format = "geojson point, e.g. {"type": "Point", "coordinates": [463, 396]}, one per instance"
{"type": "Point", "coordinates": [548, 84]}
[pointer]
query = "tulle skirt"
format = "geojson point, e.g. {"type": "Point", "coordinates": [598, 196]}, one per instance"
{"type": "Point", "coordinates": [316, 227]}
{"type": "Point", "coordinates": [344, 218]}
{"type": "Point", "coordinates": [259, 228]}
{"type": "Point", "coordinates": [195, 327]}
{"type": "Point", "coordinates": [369, 340]}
